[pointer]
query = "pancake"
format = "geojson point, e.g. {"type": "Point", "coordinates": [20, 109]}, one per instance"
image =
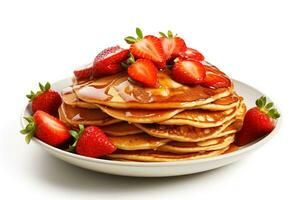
{"type": "Point", "coordinates": [140, 116]}
{"type": "Point", "coordinates": [191, 147]}
{"type": "Point", "coordinates": [224, 103]}
{"type": "Point", "coordinates": [121, 129]}
{"type": "Point", "coordinates": [140, 141]}
{"type": "Point", "coordinates": [194, 117]}
{"type": "Point", "coordinates": [71, 99]}
{"type": "Point", "coordinates": [76, 116]}
{"type": "Point", "coordinates": [118, 92]}
{"type": "Point", "coordinates": [157, 156]}
{"type": "Point", "coordinates": [201, 118]}
{"type": "Point", "coordinates": [63, 119]}
{"type": "Point", "coordinates": [185, 133]}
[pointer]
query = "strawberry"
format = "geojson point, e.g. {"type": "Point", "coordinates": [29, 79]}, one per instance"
{"type": "Point", "coordinates": [46, 100]}
{"type": "Point", "coordinates": [84, 72]}
{"type": "Point", "coordinates": [188, 72]}
{"type": "Point", "coordinates": [47, 128]}
{"type": "Point", "coordinates": [190, 53]}
{"type": "Point", "coordinates": [148, 47]}
{"type": "Point", "coordinates": [172, 45]}
{"type": "Point", "coordinates": [106, 61]}
{"type": "Point", "coordinates": [214, 80]}
{"type": "Point", "coordinates": [258, 122]}
{"type": "Point", "coordinates": [91, 142]}
{"type": "Point", "coordinates": [145, 72]}
{"type": "Point", "coordinates": [108, 70]}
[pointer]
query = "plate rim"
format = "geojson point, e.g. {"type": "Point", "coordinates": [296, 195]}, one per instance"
{"type": "Point", "coordinates": [248, 148]}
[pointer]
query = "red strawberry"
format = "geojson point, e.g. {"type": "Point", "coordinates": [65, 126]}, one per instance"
{"type": "Point", "coordinates": [47, 128]}
{"type": "Point", "coordinates": [214, 80]}
{"type": "Point", "coordinates": [108, 70]}
{"type": "Point", "coordinates": [144, 71]}
{"type": "Point", "coordinates": [84, 72]}
{"type": "Point", "coordinates": [105, 60]}
{"type": "Point", "coordinates": [188, 72]}
{"type": "Point", "coordinates": [148, 47]}
{"type": "Point", "coordinates": [46, 100]}
{"type": "Point", "coordinates": [193, 54]}
{"type": "Point", "coordinates": [91, 142]}
{"type": "Point", "coordinates": [258, 122]}
{"type": "Point", "coordinates": [172, 45]}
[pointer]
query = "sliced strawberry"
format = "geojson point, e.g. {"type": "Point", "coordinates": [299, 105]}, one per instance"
{"type": "Point", "coordinates": [91, 142]}
{"type": "Point", "coordinates": [107, 70]}
{"type": "Point", "coordinates": [214, 80]}
{"type": "Point", "coordinates": [188, 72]}
{"type": "Point", "coordinates": [46, 100]}
{"type": "Point", "coordinates": [104, 60]}
{"type": "Point", "coordinates": [84, 72]}
{"type": "Point", "coordinates": [172, 45]}
{"type": "Point", "coordinates": [148, 47]}
{"type": "Point", "coordinates": [145, 72]}
{"type": "Point", "coordinates": [258, 122]}
{"type": "Point", "coordinates": [47, 128]}
{"type": "Point", "coordinates": [193, 54]}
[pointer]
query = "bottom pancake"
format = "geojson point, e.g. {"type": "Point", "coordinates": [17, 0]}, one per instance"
{"type": "Point", "coordinates": [158, 156]}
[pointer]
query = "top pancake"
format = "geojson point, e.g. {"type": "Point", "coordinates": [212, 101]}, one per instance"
{"type": "Point", "coordinates": [118, 92]}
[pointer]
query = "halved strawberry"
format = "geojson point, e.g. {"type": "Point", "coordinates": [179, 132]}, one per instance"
{"type": "Point", "coordinates": [108, 70]}
{"type": "Point", "coordinates": [46, 100]}
{"type": "Point", "coordinates": [148, 47]}
{"type": "Point", "coordinates": [47, 128]}
{"type": "Point", "coordinates": [145, 72]}
{"type": "Point", "coordinates": [214, 80]}
{"type": "Point", "coordinates": [84, 72]}
{"type": "Point", "coordinates": [193, 54]}
{"type": "Point", "coordinates": [172, 45]}
{"type": "Point", "coordinates": [91, 142]}
{"type": "Point", "coordinates": [188, 72]}
{"type": "Point", "coordinates": [103, 63]}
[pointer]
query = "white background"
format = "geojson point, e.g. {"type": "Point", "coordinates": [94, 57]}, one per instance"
{"type": "Point", "coordinates": [253, 41]}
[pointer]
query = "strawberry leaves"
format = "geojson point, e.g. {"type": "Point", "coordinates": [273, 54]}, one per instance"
{"type": "Point", "coordinates": [267, 107]}
{"type": "Point", "coordinates": [76, 135]}
{"type": "Point", "coordinates": [29, 130]}
{"type": "Point", "coordinates": [169, 34]}
{"type": "Point", "coordinates": [43, 88]}
{"type": "Point", "coordinates": [131, 40]}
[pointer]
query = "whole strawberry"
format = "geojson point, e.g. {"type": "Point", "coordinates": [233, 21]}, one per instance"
{"type": "Point", "coordinates": [47, 128]}
{"type": "Point", "coordinates": [91, 142]}
{"type": "Point", "coordinates": [258, 122]}
{"type": "Point", "coordinates": [46, 100]}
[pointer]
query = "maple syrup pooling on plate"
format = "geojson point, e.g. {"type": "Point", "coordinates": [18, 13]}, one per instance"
{"type": "Point", "coordinates": [117, 88]}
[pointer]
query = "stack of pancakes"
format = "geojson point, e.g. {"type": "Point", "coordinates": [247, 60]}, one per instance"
{"type": "Point", "coordinates": [169, 123]}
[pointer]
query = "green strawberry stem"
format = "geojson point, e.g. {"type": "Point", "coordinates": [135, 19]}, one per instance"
{"type": "Point", "coordinates": [76, 135]}
{"type": "Point", "coordinates": [29, 130]}
{"type": "Point", "coordinates": [130, 60]}
{"type": "Point", "coordinates": [168, 35]}
{"type": "Point", "coordinates": [131, 40]}
{"type": "Point", "coordinates": [43, 88]}
{"type": "Point", "coordinates": [267, 107]}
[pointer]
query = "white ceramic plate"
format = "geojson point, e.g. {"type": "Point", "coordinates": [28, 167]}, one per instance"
{"type": "Point", "coordinates": [157, 169]}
